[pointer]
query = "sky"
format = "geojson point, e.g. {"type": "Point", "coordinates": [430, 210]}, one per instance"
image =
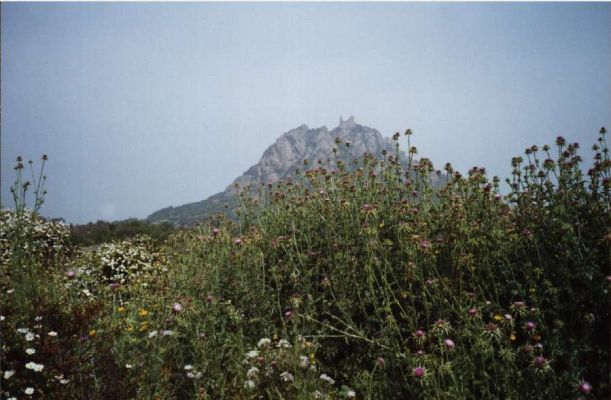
{"type": "Point", "coordinates": [140, 106]}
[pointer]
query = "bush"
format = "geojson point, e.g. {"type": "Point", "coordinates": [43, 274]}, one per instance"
{"type": "Point", "coordinates": [358, 280]}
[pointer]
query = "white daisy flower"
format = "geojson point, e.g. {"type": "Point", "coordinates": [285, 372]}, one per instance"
{"type": "Point", "coordinates": [8, 374]}
{"type": "Point", "coordinates": [34, 366]}
{"type": "Point", "coordinates": [252, 372]}
{"type": "Point", "coordinates": [249, 384]}
{"type": "Point", "coordinates": [29, 336]}
{"type": "Point", "coordinates": [327, 379]}
{"type": "Point", "coordinates": [283, 344]}
{"type": "Point", "coordinates": [286, 376]}
{"type": "Point", "coordinates": [52, 333]}
{"type": "Point", "coordinates": [29, 391]}
{"type": "Point", "coordinates": [30, 351]}
{"type": "Point", "coordinates": [252, 354]}
{"type": "Point", "coordinates": [264, 342]}
{"type": "Point", "coordinates": [188, 367]}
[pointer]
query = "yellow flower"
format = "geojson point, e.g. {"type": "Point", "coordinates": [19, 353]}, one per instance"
{"type": "Point", "coordinates": [142, 312]}
{"type": "Point", "coordinates": [130, 328]}
{"type": "Point", "coordinates": [513, 337]}
{"type": "Point", "coordinates": [121, 309]}
{"type": "Point", "coordinates": [92, 332]}
{"type": "Point", "coordinates": [497, 317]}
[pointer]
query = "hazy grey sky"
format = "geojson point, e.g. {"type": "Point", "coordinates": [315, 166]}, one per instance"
{"type": "Point", "coordinates": [142, 106]}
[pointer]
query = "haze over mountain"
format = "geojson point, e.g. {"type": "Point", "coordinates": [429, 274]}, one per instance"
{"type": "Point", "coordinates": [280, 161]}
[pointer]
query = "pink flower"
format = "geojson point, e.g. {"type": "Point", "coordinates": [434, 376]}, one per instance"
{"type": "Point", "coordinates": [449, 343]}
{"type": "Point", "coordinates": [530, 326]}
{"type": "Point", "coordinates": [381, 362]}
{"type": "Point", "coordinates": [176, 308]}
{"type": "Point", "coordinates": [419, 372]}
{"type": "Point", "coordinates": [585, 387]}
{"type": "Point", "coordinates": [540, 361]}
{"type": "Point", "coordinates": [216, 231]}
{"type": "Point", "coordinates": [237, 241]}
{"type": "Point", "coordinates": [472, 311]}
{"type": "Point", "coordinates": [419, 333]}
{"type": "Point", "coordinates": [508, 317]}
{"type": "Point", "coordinates": [70, 274]}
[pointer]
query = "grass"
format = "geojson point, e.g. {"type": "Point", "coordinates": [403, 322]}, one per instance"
{"type": "Point", "coordinates": [355, 279]}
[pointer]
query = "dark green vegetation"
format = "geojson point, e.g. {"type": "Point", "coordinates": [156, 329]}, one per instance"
{"type": "Point", "coordinates": [103, 231]}
{"type": "Point", "coordinates": [359, 282]}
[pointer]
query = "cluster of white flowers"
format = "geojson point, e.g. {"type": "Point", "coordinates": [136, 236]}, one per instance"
{"type": "Point", "coordinates": [92, 272]}
{"type": "Point", "coordinates": [192, 373]}
{"type": "Point", "coordinates": [34, 366]}
{"type": "Point", "coordinates": [37, 236]}
{"type": "Point", "coordinates": [120, 262]}
{"type": "Point", "coordinates": [264, 363]}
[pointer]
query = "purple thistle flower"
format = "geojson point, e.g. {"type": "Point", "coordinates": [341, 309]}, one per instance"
{"type": "Point", "coordinates": [216, 231]}
{"type": "Point", "coordinates": [585, 387]}
{"type": "Point", "coordinates": [419, 333]}
{"type": "Point", "coordinates": [530, 326]}
{"type": "Point", "coordinates": [540, 361]}
{"type": "Point", "coordinates": [419, 372]}
{"type": "Point", "coordinates": [472, 311]}
{"type": "Point", "coordinates": [70, 274]}
{"type": "Point", "coordinates": [449, 343]}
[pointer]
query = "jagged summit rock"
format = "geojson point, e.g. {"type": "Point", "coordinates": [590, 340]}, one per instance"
{"type": "Point", "coordinates": [280, 161]}
{"type": "Point", "coordinates": [346, 125]}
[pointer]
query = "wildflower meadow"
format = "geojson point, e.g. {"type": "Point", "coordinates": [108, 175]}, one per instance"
{"type": "Point", "coordinates": [354, 279]}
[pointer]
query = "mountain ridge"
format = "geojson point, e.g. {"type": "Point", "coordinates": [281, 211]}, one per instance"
{"type": "Point", "coordinates": [280, 160]}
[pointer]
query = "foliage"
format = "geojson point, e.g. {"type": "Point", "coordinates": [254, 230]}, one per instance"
{"type": "Point", "coordinates": [103, 231]}
{"type": "Point", "coordinates": [360, 281]}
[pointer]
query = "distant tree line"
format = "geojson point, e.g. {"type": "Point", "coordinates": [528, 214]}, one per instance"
{"type": "Point", "coordinates": [104, 231]}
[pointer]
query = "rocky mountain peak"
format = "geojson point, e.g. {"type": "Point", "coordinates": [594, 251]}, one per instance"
{"type": "Point", "coordinates": [282, 158]}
